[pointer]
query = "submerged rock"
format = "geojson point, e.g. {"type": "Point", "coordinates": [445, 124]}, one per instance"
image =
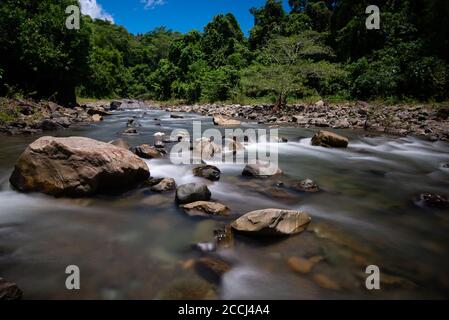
{"type": "Point", "coordinates": [261, 169]}
{"type": "Point", "coordinates": [167, 184]}
{"type": "Point", "coordinates": [208, 172]}
{"type": "Point", "coordinates": [329, 140]}
{"type": "Point", "coordinates": [325, 282]}
{"type": "Point", "coordinates": [192, 192]}
{"type": "Point", "coordinates": [224, 239]}
{"type": "Point", "coordinates": [205, 208]}
{"type": "Point", "coordinates": [9, 290]}
{"type": "Point", "coordinates": [272, 222]}
{"type": "Point", "coordinates": [212, 268]}
{"type": "Point", "coordinates": [302, 265]}
{"type": "Point", "coordinates": [77, 166]}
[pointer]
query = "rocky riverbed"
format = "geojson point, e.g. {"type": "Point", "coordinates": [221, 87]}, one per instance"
{"type": "Point", "coordinates": [21, 116]}
{"type": "Point", "coordinates": [401, 120]}
{"type": "Point", "coordinates": [340, 200]}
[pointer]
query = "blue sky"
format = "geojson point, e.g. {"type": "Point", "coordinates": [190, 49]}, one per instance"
{"type": "Point", "coordinates": [140, 16]}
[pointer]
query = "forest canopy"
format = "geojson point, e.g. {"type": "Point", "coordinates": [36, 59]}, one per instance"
{"type": "Point", "coordinates": [316, 49]}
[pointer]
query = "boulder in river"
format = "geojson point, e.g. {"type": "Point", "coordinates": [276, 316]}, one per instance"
{"type": "Point", "coordinates": [9, 291]}
{"type": "Point", "coordinates": [261, 169]}
{"type": "Point", "coordinates": [147, 152]}
{"type": "Point", "coordinates": [329, 140]}
{"type": "Point", "coordinates": [208, 172]}
{"type": "Point", "coordinates": [192, 192]}
{"type": "Point", "coordinates": [167, 184]}
{"type": "Point", "coordinates": [205, 209]}
{"type": "Point", "coordinates": [77, 166]}
{"type": "Point", "coordinates": [176, 116]}
{"type": "Point", "coordinates": [224, 121]}
{"type": "Point", "coordinates": [272, 222]}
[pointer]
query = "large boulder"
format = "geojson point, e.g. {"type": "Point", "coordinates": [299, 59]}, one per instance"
{"type": "Point", "coordinates": [77, 166]}
{"type": "Point", "coordinates": [261, 169]}
{"type": "Point", "coordinates": [329, 140]}
{"type": "Point", "coordinates": [208, 172]}
{"type": "Point", "coordinates": [224, 121]}
{"type": "Point", "coordinates": [205, 209]}
{"type": "Point", "coordinates": [192, 192]}
{"type": "Point", "coordinates": [272, 222]}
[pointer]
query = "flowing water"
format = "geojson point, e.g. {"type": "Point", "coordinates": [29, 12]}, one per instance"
{"type": "Point", "coordinates": [139, 245]}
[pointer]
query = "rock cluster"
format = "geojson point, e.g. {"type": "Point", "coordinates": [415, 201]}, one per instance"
{"type": "Point", "coordinates": [420, 120]}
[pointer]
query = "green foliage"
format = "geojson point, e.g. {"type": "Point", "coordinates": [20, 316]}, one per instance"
{"type": "Point", "coordinates": [38, 52]}
{"type": "Point", "coordinates": [320, 49]}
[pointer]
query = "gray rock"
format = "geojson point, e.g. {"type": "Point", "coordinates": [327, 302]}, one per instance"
{"type": "Point", "coordinates": [208, 172]}
{"type": "Point", "coordinates": [192, 192]}
{"type": "Point", "coordinates": [272, 222]}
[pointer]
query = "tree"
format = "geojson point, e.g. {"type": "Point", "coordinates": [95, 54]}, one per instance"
{"type": "Point", "coordinates": [39, 54]}
{"type": "Point", "coordinates": [276, 71]}
{"type": "Point", "coordinates": [268, 22]}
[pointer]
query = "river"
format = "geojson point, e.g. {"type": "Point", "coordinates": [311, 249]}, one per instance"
{"type": "Point", "coordinates": [139, 245]}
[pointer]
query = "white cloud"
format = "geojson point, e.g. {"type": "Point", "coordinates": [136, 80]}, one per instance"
{"type": "Point", "coordinates": [93, 9]}
{"type": "Point", "coordinates": [150, 4]}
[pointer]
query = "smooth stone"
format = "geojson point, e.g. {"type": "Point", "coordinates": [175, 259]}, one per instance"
{"type": "Point", "coordinates": [272, 222]}
{"type": "Point", "coordinates": [224, 121]}
{"type": "Point", "coordinates": [77, 166]}
{"type": "Point", "coordinates": [208, 172]}
{"type": "Point", "coordinates": [205, 209]}
{"type": "Point", "coordinates": [329, 140]}
{"type": "Point", "coordinates": [166, 184]}
{"type": "Point", "coordinates": [261, 169]}
{"type": "Point", "coordinates": [192, 192]}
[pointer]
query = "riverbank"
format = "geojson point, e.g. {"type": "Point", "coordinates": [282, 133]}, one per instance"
{"type": "Point", "coordinates": [417, 120]}
{"type": "Point", "coordinates": [425, 121]}
{"type": "Point", "coordinates": [24, 116]}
